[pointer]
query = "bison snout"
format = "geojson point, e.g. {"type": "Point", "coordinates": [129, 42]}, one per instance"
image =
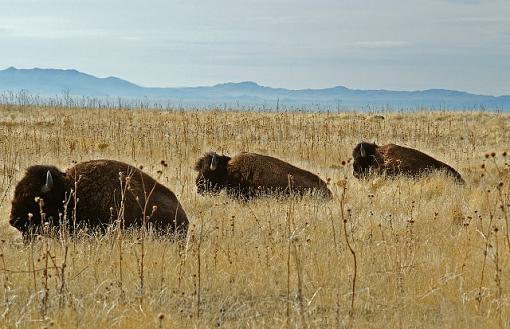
{"type": "Point", "coordinates": [15, 221]}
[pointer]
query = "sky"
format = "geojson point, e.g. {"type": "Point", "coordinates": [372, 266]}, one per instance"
{"type": "Point", "coordinates": [295, 44]}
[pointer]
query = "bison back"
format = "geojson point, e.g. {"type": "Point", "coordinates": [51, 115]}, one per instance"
{"type": "Point", "coordinates": [256, 170]}
{"type": "Point", "coordinates": [108, 190]}
{"type": "Point", "coordinates": [400, 159]}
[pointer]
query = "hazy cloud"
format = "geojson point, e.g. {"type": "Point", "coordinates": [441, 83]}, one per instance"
{"type": "Point", "coordinates": [378, 44]}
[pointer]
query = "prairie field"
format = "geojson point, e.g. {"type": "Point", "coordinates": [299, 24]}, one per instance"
{"type": "Point", "coordinates": [384, 253]}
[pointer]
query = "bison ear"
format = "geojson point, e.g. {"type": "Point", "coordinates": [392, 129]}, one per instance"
{"type": "Point", "coordinates": [214, 162]}
{"type": "Point", "coordinates": [48, 186]}
{"type": "Point", "coordinates": [362, 151]}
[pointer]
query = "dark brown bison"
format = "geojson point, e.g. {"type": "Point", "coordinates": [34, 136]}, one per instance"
{"type": "Point", "coordinates": [249, 174]}
{"type": "Point", "coordinates": [106, 192]}
{"type": "Point", "coordinates": [394, 160]}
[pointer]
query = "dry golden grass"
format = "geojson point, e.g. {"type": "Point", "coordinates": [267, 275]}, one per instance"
{"type": "Point", "coordinates": [429, 253]}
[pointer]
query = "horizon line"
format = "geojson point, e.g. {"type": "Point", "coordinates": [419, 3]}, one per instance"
{"type": "Point", "coordinates": [12, 67]}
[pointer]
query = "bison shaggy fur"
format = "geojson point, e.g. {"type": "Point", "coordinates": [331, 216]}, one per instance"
{"type": "Point", "coordinates": [249, 174]}
{"type": "Point", "coordinates": [100, 187]}
{"type": "Point", "coordinates": [392, 160]}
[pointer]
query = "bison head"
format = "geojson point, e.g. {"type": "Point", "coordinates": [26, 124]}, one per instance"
{"type": "Point", "coordinates": [212, 173]}
{"type": "Point", "coordinates": [363, 155]}
{"type": "Point", "coordinates": [38, 197]}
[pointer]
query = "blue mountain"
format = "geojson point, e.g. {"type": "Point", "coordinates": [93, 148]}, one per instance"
{"type": "Point", "coordinates": [54, 82]}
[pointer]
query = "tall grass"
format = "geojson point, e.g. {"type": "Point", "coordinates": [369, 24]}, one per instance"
{"type": "Point", "coordinates": [406, 253]}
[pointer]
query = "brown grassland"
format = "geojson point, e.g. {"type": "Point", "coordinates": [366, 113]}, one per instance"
{"type": "Point", "coordinates": [429, 253]}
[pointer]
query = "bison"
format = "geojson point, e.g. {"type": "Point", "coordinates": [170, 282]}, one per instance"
{"type": "Point", "coordinates": [249, 174]}
{"type": "Point", "coordinates": [92, 195]}
{"type": "Point", "coordinates": [392, 160]}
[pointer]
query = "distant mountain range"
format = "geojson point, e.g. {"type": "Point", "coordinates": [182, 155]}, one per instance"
{"type": "Point", "coordinates": [55, 82]}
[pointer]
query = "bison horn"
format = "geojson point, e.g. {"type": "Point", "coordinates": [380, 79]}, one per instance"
{"type": "Point", "coordinates": [362, 151]}
{"type": "Point", "coordinates": [214, 162]}
{"type": "Point", "coordinates": [48, 186]}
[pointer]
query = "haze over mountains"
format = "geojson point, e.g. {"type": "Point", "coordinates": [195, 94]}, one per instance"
{"type": "Point", "coordinates": [54, 82]}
